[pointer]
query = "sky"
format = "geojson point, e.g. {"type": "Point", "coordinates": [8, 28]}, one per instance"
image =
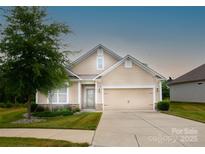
{"type": "Point", "coordinates": [171, 40]}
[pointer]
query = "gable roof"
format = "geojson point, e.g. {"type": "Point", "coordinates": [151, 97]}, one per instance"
{"type": "Point", "coordinates": [80, 77]}
{"type": "Point", "coordinates": [71, 74]}
{"type": "Point", "coordinates": [197, 74]}
{"type": "Point", "coordinates": [87, 54]}
{"type": "Point", "coordinates": [137, 62]}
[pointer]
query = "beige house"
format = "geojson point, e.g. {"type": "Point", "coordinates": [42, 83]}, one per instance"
{"type": "Point", "coordinates": [102, 80]}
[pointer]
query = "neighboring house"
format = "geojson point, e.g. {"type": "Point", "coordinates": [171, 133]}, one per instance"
{"type": "Point", "coordinates": [101, 79]}
{"type": "Point", "coordinates": [189, 87]}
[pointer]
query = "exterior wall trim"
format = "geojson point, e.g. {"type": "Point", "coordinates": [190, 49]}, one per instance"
{"type": "Point", "coordinates": [154, 98]}
{"type": "Point", "coordinates": [79, 94]}
{"type": "Point", "coordinates": [48, 100]}
{"type": "Point", "coordinates": [128, 86]}
{"type": "Point", "coordinates": [68, 95]}
{"type": "Point", "coordinates": [37, 97]}
{"type": "Point", "coordinates": [73, 73]}
{"type": "Point", "coordinates": [103, 104]}
{"type": "Point", "coordinates": [96, 93]}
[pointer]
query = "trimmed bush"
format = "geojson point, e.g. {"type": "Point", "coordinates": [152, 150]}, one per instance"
{"type": "Point", "coordinates": [5, 105]}
{"type": "Point", "coordinates": [41, 109]}
{"type": "Point", "coordinates": [67, 109]}
{"type": "Point", "coordinates": [36, 108]}
{"type": "Point", "coordinates": [52, 114]}
{"type": "Point", "coordinates": [33, 107]}
{"type": "Point", "coordinates": [63, 110]}
{"type": "Point", "coordinates": [163, 105]}
{"type": "Point", "coordinates": [76, 110]}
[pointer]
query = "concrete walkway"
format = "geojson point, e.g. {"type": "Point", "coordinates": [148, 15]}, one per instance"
{"type": "Point", "coordinates": [78, 136]}
{"type": "Point", "coordinates": [138, 128]}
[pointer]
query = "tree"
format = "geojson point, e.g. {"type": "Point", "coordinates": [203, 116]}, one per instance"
{"type": "Point", "coordinates": [165, 90]}
{"type": "Point", "coordinates": [30, 45]}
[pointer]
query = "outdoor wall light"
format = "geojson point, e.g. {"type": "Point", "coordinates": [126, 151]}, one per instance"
{"type": "Point", "coordinates": [99, 89]}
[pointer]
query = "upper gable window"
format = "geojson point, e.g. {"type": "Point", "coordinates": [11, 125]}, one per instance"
{"type": "Point", "coordinates": [100, 63]}
{"type": "Point", "coordinates": [100, 59]}
{"type": "Point", "coordinates": [128, 63]}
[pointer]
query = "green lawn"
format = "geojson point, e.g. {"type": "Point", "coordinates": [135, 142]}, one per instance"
{"type": "Point", "coordinates": [86, 120]}
{"type": "Point", "coordinates": [34, 142]}
{"type": "Point", "coordinates": [194, 111]}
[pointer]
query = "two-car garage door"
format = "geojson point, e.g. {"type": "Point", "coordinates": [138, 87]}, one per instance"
{"type": "Point", "coordinates": [139, 98]}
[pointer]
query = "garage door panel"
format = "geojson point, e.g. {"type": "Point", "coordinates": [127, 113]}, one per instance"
{"type": "Point", "coordinates": [128, 98]}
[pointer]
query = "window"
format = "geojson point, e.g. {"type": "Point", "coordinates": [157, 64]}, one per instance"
{"type": "Point", "coordinates": [100, 59]}
{"type": "Point", "coordinates": [128, 63]}
{"type": "Point", "coordinates": [100, 63]}
{"type": "Point", "coordinates": [59, 96]}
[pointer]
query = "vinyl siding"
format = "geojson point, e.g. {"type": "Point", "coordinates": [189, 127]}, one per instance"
{"type": "Point", "coordinates": [188, 92]}
{"type": "Point", "coordinates": [122, 76]}
{"type": "Point", "coordinates": [88, 66]}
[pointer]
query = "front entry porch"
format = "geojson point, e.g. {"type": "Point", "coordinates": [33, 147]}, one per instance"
{"type": "Point", "coordinates": [88, 96]}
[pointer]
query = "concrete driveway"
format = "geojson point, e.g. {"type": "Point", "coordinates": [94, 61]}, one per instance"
{"type": "Point", "coordinates": [147, 128]}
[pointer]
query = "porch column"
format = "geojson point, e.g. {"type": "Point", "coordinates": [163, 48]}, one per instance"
{"type": "Point", "coordinates": [154, 98]}
{"type": "Point", "coordinates": [79, 94]}
{"type": "Point", "coordinates": [37, 97]}
{"type": "Point", "coordinates": [96, 92]}
{"type": "Point", "coordinates": [160, 90]}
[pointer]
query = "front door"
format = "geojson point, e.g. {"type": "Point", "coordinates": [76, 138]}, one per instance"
{"type": "Point", "coordinates": [90, 98]}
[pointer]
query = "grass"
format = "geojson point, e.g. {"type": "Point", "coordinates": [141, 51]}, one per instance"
{"type": "Point", "coordinates": [34, 142]}
{"type": "Point", "coordinates": [85, 120]}
{"type": "Point", "coordinates": [193, 111]}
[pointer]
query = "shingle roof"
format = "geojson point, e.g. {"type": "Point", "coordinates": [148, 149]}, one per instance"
{"type": "Point", "coordinates": [71, 74]}
{"type": "Point", "coordinates": [87, 76]}
{"type": "Point", "coordinates": [87, 54]}
{"type": "Point", "coordinates": [197, 74]}
{"type": "Point", "coordinates": [117, 57]}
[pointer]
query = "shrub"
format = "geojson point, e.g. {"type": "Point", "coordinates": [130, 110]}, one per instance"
{"type": "Point", "coordinates": [76, 110]}
{"type": "Point", "coordinates": [52, 114]}
{"type": "Point", "coordinates": [63, 110]}
{"type": "Point", "coordinates": [163, 105]}
{"type": "Point", "coordinates": [3, 105]}
{"type": "Point", "coordinates": [67, 109]}
{"type": "Point", "coordinates": [41, 109]}
{"type": "Point", "coordinates": [33, 107]}
{"type": "Point", "coordinates": [36, 108]}
{"type": "Point", "coordinates": [9, 105]}
{"type": "Point", "coordinates": [165, 90]}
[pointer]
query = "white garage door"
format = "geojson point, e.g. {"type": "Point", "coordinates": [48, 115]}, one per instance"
{"type": "Point", "coordinates": [128, 99]}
